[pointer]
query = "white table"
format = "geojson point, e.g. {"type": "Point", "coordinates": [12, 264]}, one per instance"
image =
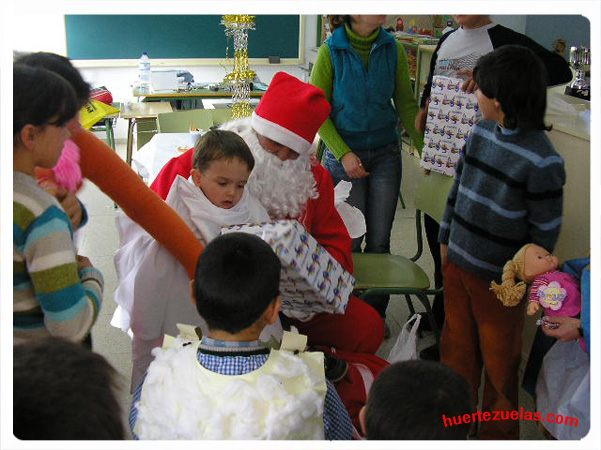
{"type": "Point", "coordinates": [152, 156]}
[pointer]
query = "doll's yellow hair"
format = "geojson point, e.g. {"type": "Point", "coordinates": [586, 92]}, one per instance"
{"type": "Point", "coordinates": [509, 292]}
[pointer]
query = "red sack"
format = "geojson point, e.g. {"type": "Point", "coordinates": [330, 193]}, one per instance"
{"type": "Point", "coordinates": [102, 94]}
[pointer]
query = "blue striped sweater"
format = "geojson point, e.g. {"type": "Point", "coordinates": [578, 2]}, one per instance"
{"type": "Point", "coordinates": [50, 295]}
{"type": "Point", "coordinates": [508, 191]}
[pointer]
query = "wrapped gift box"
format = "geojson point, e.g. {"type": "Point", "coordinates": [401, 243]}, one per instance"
{"type": "Point", "coordinates": [452, 114]}
{"type": "Point", "coordinates": [311, 280]}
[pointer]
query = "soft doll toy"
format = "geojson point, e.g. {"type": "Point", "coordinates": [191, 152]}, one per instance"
{"type": "Point", "coordinates": [558, 293]}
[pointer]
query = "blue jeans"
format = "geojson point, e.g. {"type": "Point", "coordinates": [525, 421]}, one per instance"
{"type": "Point", "coordinates": [376, 196]}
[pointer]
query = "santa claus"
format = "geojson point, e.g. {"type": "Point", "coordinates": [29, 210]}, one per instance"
{"type": "Point", "coordinates": [290, 183]}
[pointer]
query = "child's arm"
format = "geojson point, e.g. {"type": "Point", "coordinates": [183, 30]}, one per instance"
{"type": "Point", "coordinates": [101, 165]}
{"type": "Point", "coordinates": [69, 292]}
{"type": "Point", "coordinates": [544, 198]}
{"type": "Point", "coordinates": [445, 224]}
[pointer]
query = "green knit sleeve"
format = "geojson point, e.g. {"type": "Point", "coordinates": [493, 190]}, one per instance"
{"type": "Point", "coordinates": [322, 76]}
{"type": "Point", "coordinates": [404, 101]}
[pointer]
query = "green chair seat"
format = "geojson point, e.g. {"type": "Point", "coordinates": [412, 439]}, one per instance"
{"type": "Point", "coordinates": [385, 271]}
{"type": "Point", "coordinates": [386, 274]}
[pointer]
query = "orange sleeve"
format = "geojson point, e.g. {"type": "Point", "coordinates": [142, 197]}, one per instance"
{"type": "Point", "coordinates": [103, 167]}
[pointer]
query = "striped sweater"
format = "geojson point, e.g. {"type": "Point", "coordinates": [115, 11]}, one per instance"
{"type": "Point", "coordinates": [50, 295]}
{"type": "Point", "coordinates": [508, 191]}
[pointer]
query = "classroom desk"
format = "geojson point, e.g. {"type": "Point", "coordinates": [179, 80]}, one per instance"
{"type": "Point", "coordinates": [135, 112]}
{"type": "Point", "coordinates": [190, 94]}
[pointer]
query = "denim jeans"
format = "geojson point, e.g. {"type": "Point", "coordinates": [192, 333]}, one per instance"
{"type": "Point", "coordinates": [376, 196]}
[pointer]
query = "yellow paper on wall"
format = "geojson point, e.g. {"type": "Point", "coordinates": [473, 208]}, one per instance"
{"type": "Point", "coordinates": [94, 111]}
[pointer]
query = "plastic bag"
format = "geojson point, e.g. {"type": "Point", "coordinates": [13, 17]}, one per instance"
{"type": "Point", "coordinates": [352, 217]}
{"type": "Point", "coordinates": [405, 347]}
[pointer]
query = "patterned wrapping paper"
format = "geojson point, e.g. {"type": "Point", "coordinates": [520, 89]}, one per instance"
{"type": "Point", "coordinates": [452, 114]}
{"type": "Point", "coordinates": [311, 280]}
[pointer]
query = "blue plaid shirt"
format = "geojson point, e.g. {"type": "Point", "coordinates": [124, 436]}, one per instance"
{"type": "Point", "coordinates": [239, 358]}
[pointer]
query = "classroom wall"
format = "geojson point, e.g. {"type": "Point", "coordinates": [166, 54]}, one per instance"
{"type": "Point", "coordinates": [119, 80]}
{"type": "Point", "coordinates": [575, 30]}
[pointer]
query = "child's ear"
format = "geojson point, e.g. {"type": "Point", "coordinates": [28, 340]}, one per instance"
{"type": "Point", "coordinates": [273, 310]}
{"type": "Point", "coordinates": [27, 135]}
{"type": "Point", "coordinates": [196, 176]}
{"type": "Point", "coordinates": [362, 420]}
{"type": "Point", "coordinates": [192, 294]}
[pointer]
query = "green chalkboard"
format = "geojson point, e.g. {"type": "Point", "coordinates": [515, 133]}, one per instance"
{"type": "Point", "coordinates": [103, 37]}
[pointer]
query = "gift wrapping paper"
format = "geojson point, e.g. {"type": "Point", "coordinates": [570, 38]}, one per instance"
{"type": "Point", "coordinates": [452, 114]}
{"type": "Point", "coordinates": [311, 280]}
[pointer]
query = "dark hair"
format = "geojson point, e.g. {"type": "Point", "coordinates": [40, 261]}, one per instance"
{"type": "Point", "coordinates": [61, 390]}
{"type": "Point", "coordinates": [338, 21]}
{"type": "Point", "coordinates": [41, 97]}
{"type": "Point", "coordinates": [409, 398]}
{"type": "Point", "coordinates": [218, 144]}
{"type": "Point", "coordinates": [62, 66]}
{"type": "Point", "coordinates": [515, 76]}
{"type": "Point", "coordinates": [237, 277]}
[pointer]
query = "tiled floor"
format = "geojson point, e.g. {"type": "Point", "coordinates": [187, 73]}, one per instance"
{"type": "Point", "coordinates": [99, 240]}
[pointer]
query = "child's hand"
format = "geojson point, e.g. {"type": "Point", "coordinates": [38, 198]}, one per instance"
{"type": "Point", "coordinates": [469, 85]}
{"type": "Point", "coordinates": [568, 328]}
{"type": "Point", "coordinates": [71, 205]}
{"type": "Point", "coordinates": [83, 262]}
{"type": "Point", "coordinates": [444, 251]}
{"type": "Point", "coordinates": [533, 308]}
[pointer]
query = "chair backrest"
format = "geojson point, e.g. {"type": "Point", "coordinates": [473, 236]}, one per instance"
{"type": "Point", "coordinates": [431, 194]}
{"type": "Point", "coordinates": [183, 121]}
{"type": "Point", "coordinates": [221, 115]}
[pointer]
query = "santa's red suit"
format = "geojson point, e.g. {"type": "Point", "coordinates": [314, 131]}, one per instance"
{"type": "Point", "coordinates": [360, 329]}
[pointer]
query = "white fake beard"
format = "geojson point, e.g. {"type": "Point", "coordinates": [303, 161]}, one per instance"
{"type": "Point", "coordinates": [282, 187]}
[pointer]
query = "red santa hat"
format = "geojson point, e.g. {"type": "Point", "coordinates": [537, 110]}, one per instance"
{"type": "Point", "coordinates": [291, 112]}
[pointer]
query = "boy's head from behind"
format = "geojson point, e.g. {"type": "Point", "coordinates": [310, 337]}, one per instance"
{"type": "Point", "coordinates": [409, 398]}
{"type": "Point", "coordinates": [221, 166]}
{"type": "Point", "coordinates": [237, 279]}
{"type": "Point", "coordinates": [43, 104]}
{"type": "Point", "coordinates": [61, 390]}
{"type": "Point", "coordinates": [513, 79]}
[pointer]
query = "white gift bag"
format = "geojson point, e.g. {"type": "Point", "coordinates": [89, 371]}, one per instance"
{"type": "Point", "coordinates": [405, 347]}
{"type": "Point", "coordinates": [353, 218]}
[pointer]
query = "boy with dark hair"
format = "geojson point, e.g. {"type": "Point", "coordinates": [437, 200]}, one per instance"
{"type": "Point", "coordinates": [62, 390]}
{"type": "Point", "coordinates": [228, 385]}
{"type": "Point", "coordinates": [409, 399]}
{"type": "Point", "coordinates": [508, 191]}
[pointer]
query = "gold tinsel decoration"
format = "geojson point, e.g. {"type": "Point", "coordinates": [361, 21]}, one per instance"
{"type": "Point", "coordinates": [239, 79]}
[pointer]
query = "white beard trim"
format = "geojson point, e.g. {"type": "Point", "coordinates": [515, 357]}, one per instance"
{"type": "Point", "coordinates": [282, 187]}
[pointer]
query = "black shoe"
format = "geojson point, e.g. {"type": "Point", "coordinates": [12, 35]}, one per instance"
{"type": "Point", "coordinates": [335, 368]}
{"type": "Point", "coordinates": [430, 353]}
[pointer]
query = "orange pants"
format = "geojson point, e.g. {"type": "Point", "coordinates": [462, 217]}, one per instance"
{"type": "Point", "coordinates": [479, 330]}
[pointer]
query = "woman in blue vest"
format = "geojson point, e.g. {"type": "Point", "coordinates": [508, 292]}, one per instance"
{"type": "Point", "coordinates": [364, 73]}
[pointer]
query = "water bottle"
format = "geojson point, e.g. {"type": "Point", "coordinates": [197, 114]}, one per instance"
{"type": "Point", "coordinates": [144, 74]}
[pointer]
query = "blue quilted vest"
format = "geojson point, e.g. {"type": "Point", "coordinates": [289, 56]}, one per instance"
{"type": "Point", "coordinates": [362, 109]}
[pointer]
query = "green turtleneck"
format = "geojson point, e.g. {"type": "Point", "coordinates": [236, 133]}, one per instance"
{"type": "Point", "coordinates": [361, 45]}
{"type": "Point", "coordinates": [405, 103]}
